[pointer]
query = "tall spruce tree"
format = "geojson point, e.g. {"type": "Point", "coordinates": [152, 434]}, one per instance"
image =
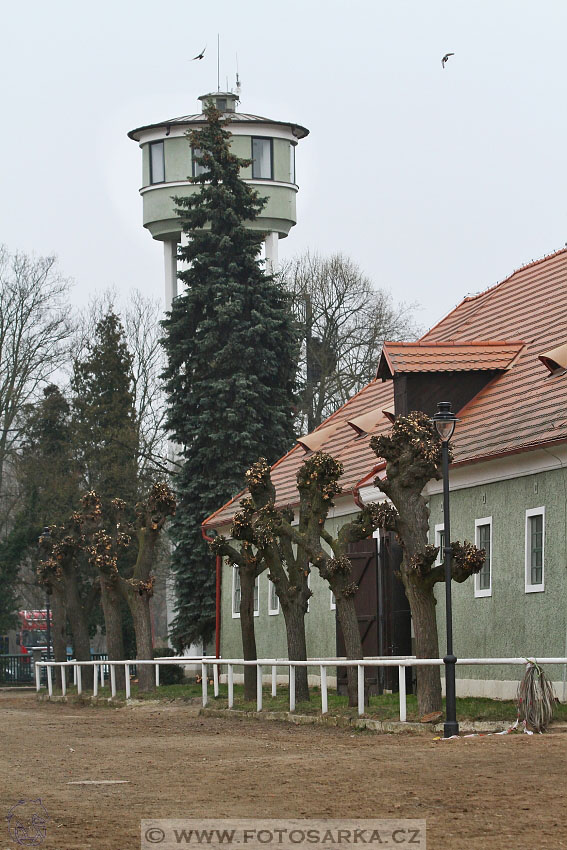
{"type": "Point", "coordinates": [231, 345]}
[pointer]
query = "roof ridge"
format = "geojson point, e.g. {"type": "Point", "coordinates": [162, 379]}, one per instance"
{"type": "Point", "coordinates": [469, 298]}
{"type": "Point", "coordinates": [455, 343]}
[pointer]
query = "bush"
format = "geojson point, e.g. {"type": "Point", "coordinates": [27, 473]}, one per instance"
{"type": "Point", "coordinates": [170, 674]}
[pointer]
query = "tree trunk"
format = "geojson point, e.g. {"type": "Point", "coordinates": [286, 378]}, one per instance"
{"type": "Point", "coordinates": [247, 582]}
{"type": "Point", "coordinates": [422, 604]}
{"type": "Point", "coordinates": [111, 606]}
{"type": "Point", "coordinates": [79, 628]}
{"type": "Point", "coordinates": [140, 607]}
{"type": "Point", "coordinates": [351, 633]}
{"type": "Point", "coordinates": [294, 616]}
{"type": "Point", "coordinates": [59, 627]}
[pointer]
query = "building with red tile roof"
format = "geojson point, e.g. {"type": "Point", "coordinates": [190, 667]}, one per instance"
{"type": "Point", "coordinates": [501, 358]}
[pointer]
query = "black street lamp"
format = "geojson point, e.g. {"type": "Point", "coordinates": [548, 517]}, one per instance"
{"type": "Point", "coordinates": [445, 421]}
{"type": "Point", "coordinates": [45, 535]}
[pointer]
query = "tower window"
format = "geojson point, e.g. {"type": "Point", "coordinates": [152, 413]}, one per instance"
{"type": "Point", "coordinates": [157, 163]}
{"type": "Point", "coordinates": [221, 104]}
{"type": "Point", "coordinates": [262, 158]}
{"type": "Point", "coordinates": [197, 167]}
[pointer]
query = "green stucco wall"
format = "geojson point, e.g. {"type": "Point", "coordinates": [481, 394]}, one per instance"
{"type": "Point", "coordinates": [510, 622]}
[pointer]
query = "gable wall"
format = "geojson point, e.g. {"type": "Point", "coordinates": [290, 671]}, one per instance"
{"type": "Point", "coordinates": [510, 622]}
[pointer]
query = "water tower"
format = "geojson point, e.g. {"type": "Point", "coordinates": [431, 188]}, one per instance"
{"type": "Point", "coordinates": [168, 165]}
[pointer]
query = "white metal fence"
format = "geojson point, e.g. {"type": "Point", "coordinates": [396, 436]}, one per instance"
{"type": "Point", "coordinates": [207, 662]}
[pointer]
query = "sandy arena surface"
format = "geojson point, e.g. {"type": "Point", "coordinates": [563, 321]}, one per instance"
{"type": "Point", "coordinates": [483, 793]}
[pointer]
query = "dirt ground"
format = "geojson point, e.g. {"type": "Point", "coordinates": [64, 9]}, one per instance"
{"type": "Point", "coordinates": [482, 793]}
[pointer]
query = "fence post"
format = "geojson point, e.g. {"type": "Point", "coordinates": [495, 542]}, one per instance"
{"type": "Point", "coordinates": [112, 680]}
{"type": "Point", "coordinates": [324, 703]}
{"type": "Point", "coordinates": [259, 687]}
{"type": "Point", "coordinates": [95, 680]}
{"type": "Point", "coordinates": [127, 680]}
{"type": "Point", "coordinates": [230, 686]}
{"type": "Point", "coordinates": [274, 680]}
{"type": "Point", "coordinates": [157, 675]}
{"type": "Point", "coordinates": [402, 688]}
{"type": "Point", "coordinates": [74, 674]}
{"type": "Point", "coordinates": [63, 680]}
{"type": "Point", "coordinates": [360, 670]}
{"type": "Point", "coordinates": [216, 679]}
{"type": "Point", "coordinates": [291, 687]}
{"type": "Point", "coordinates": [49, 681]}
{"type": "Point", "coordinates": [79, 679]}
{"type": "Point", "coordinates": [37, 677]}
{"type": "Point", "coordinates": [102, 675]}
{"type": "Point", "coordinates": [204, 683]}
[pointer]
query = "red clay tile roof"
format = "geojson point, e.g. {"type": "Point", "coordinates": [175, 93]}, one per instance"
{"type": "Point", "coordinates": [421, 356]}
{"type": "Point", "coordinates": [520, 409]}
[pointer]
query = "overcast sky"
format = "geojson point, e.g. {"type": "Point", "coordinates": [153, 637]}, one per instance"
{"type": "Point", "coordinates": [437, 182]}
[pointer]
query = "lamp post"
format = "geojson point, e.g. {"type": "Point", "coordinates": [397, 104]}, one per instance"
{"type": "Point", "coordinates": [445, 421]}
{"type": "Point", "coordinates": [46, 535]}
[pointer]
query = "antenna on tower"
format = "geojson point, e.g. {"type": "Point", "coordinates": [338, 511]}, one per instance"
{"type": "Point", "coordinates": [238, 86]}
{"type": "Point", "coordinates": [218, 62]}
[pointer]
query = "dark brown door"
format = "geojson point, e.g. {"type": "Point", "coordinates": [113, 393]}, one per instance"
{"type": "Point", "coordinates": [382, 608]}
{"type": "Point", "coordinates": [394, 618]}
{"type": "Point", "coordinates": [364, 560]}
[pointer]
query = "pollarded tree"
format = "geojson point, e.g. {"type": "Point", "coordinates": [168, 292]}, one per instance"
{"type": "Point", "coordinates": [412, 452]}
{"type": "Point", "coordinates": [230, 342]}
{"type": "Point", "coordinates": [103, 548]}
{"type": "Point", "coordinates": [318, 484]}
{"type": "Point", "coordinates": [259, 550]}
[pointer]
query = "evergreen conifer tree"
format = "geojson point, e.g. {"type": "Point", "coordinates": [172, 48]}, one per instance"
{"type": "Point", "coordinates": [231, 346]}
{"type": "Point", "coordinates": [104, 417]}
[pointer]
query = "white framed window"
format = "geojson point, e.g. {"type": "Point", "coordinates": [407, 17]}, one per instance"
{"type": "Point", "coordinates": [262, 158]}
{"type": "Point", "coordinates": [196, 167]}
{"type": "Point", "coordinates": [292, 162]}
{"type": "Point", "coordinates": [237, 594]}
{"type": "Point", "coordinates": [483, 540]}
{"type": "Point", "coordinates": [440, 542]}
{"type": "Point", "coordinates": [333, 602]}
{"type": "Point", "coordinates": [273, 600]}
{"type": "Point", "coordinates": [157, 163]}
{"type": "Point", "coordinates": [535, 550]}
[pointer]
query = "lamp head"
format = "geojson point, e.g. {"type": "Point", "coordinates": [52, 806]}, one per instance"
{"type": "Point", "coordinates": [444, 421]}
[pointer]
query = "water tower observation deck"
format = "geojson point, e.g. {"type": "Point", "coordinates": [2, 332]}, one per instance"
{"type": "Point", "coordinates": [168, 166]}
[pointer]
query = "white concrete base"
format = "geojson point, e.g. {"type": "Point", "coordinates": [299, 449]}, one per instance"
{"type": "Point", "coordinates": [495, 688]}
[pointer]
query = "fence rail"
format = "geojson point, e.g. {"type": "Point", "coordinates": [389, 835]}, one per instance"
{"type": "Point", "coordinates": [216, 663]}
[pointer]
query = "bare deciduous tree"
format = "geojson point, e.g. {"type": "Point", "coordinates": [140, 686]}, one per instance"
{"type": "Point", "coordinates": [34, 334]}
{"type": "Point", "coordinates": [345, 321]}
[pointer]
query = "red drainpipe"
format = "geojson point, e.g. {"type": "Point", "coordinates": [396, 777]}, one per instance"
{"type": "Point", "coordinates": [218, 595]}
{"type": "Point", "coordinates": [358, 485]}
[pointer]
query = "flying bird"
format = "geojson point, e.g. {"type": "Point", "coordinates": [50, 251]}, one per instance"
{"type": "Point", "coordinates": [200, 55]}
{"type": "Point", "coordinates": [443, 61]}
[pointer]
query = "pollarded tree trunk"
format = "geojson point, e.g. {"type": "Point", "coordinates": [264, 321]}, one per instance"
{"type": "Point", "coordinates": [140, 608]}
{"type": "Point", "coordinates": [294, 616]}
{"type": "Point", "coordinates": [111, 606]}
{"type": "Point", "coordinates": [59, 626]}
{"type": "Point", "coordinates": [348, 619]}
{"type": "Point", "coordinates": [247, 582]}
{"type": "Point", "coordinates": [422, 605]}
{"type": "Point", "coordinates": [79, 629]}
